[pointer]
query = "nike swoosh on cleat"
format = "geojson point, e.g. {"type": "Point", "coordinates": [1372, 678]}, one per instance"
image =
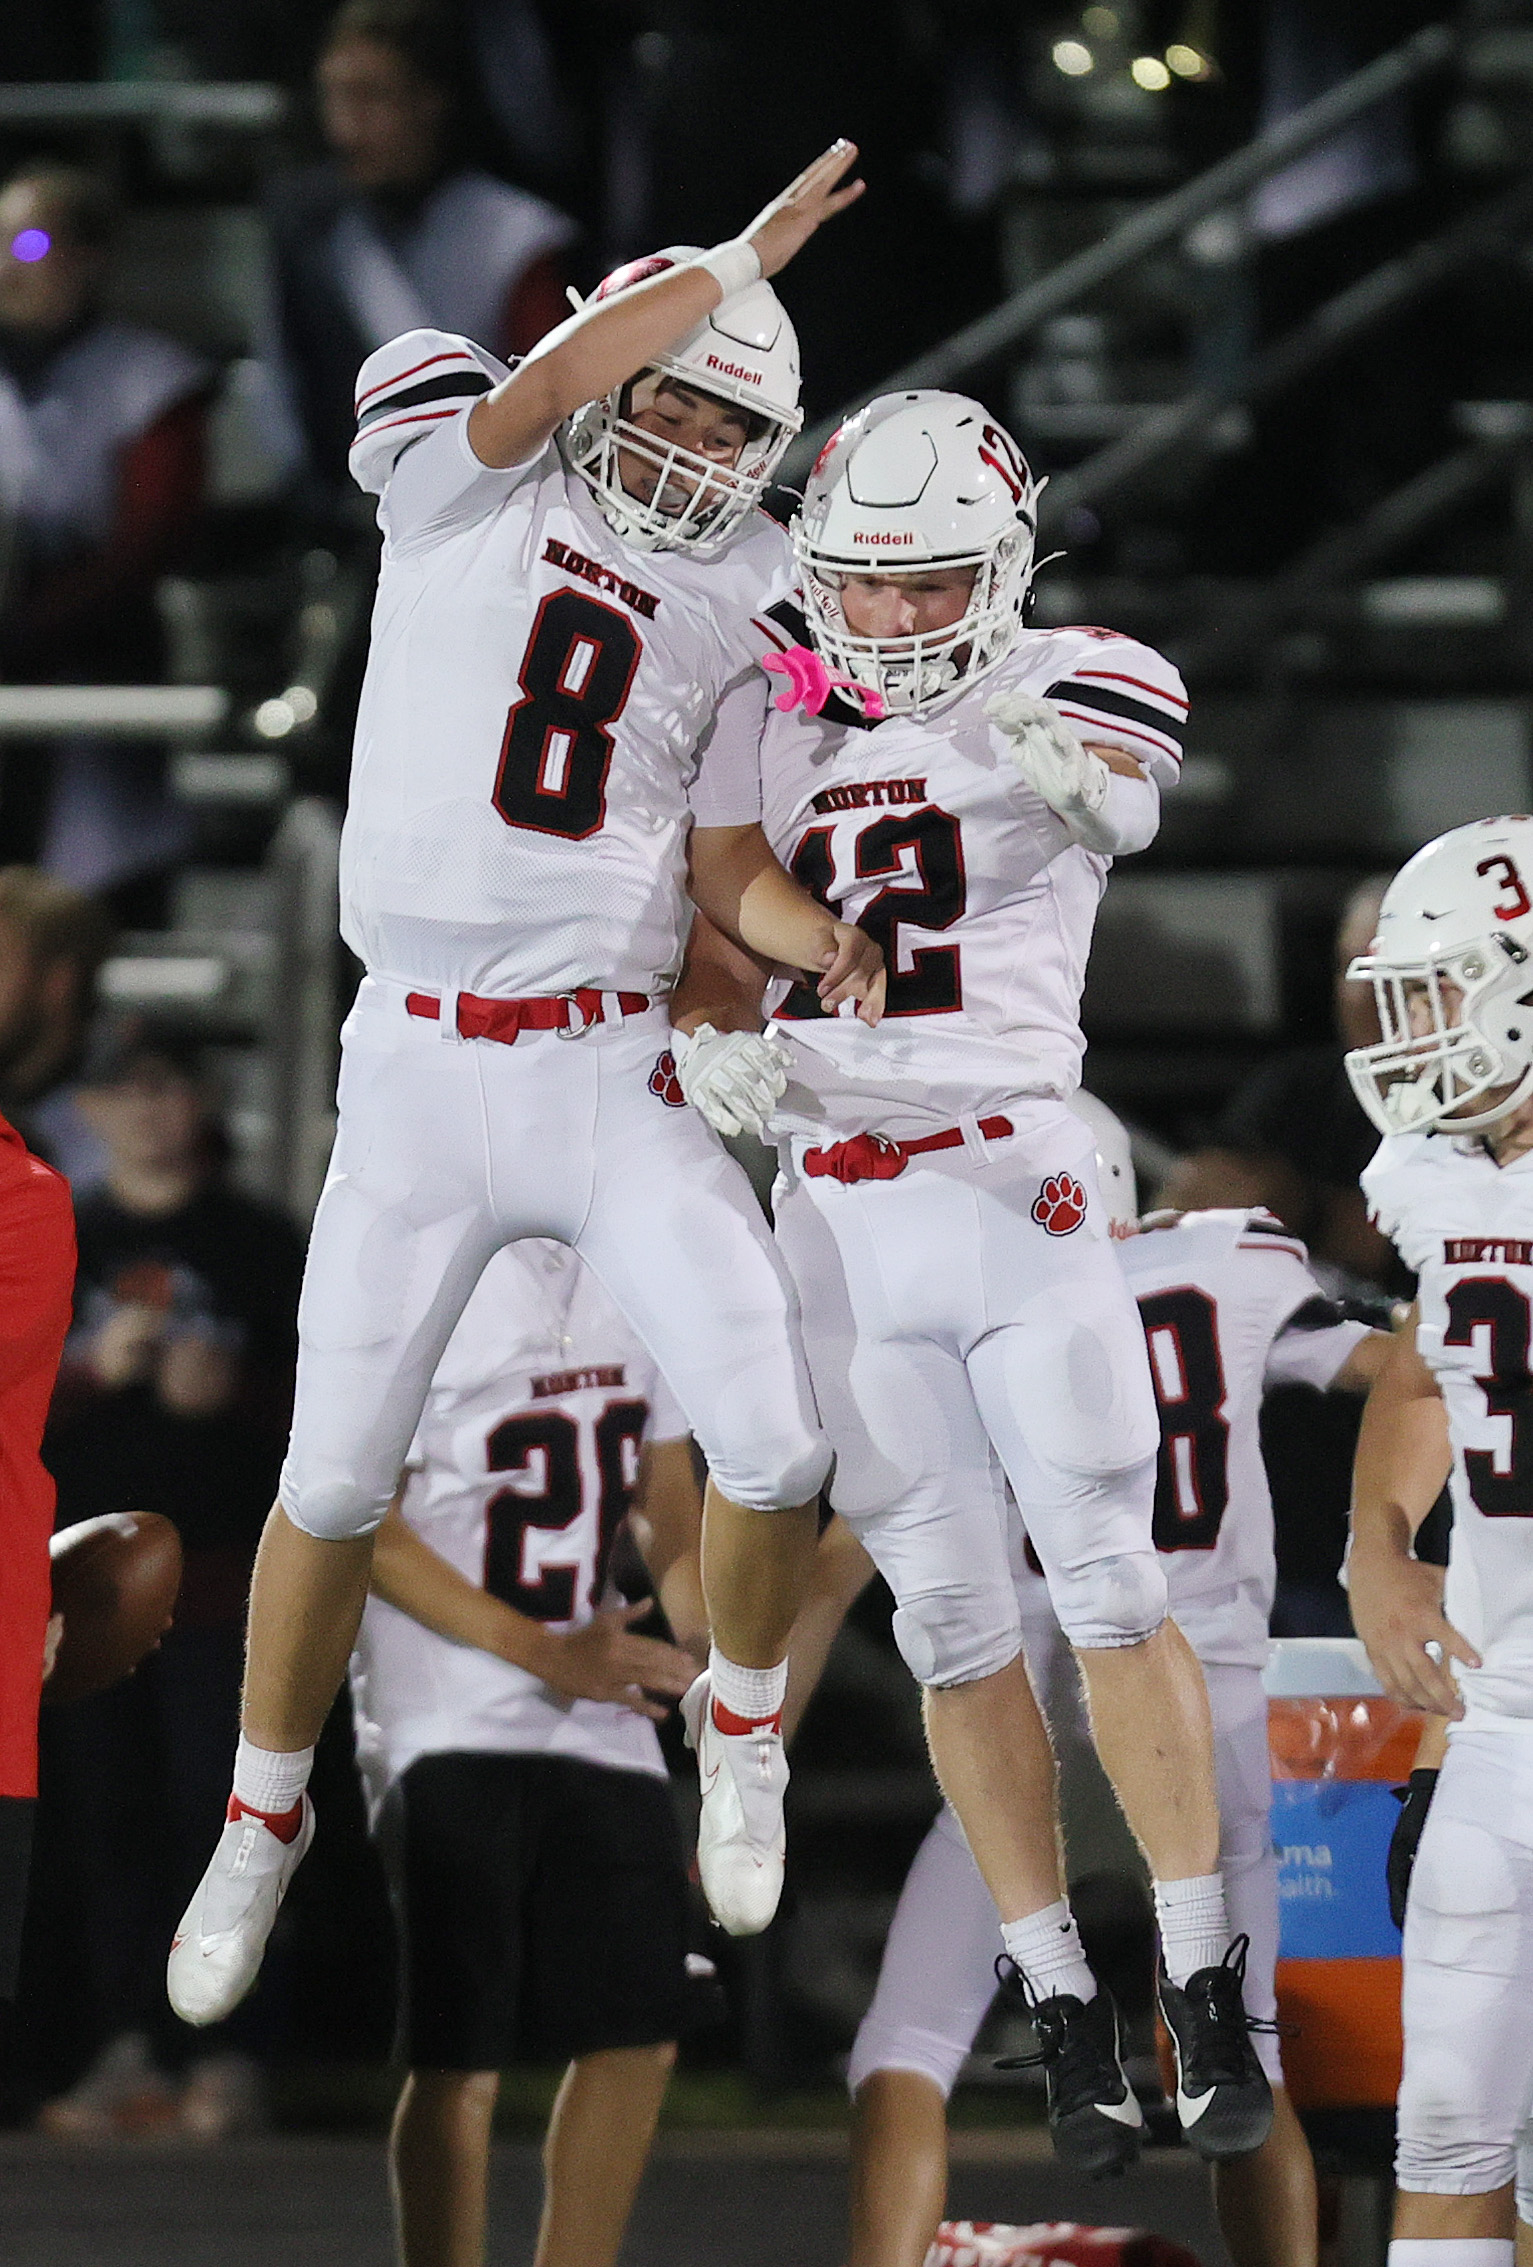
{"type": "Point", "coordinates": [1121, 2113]}
{"type": "Point", "coordinates": [1188, 2110]}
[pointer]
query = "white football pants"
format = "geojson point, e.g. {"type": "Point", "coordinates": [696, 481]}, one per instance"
{"type": "Point", "coordinates": [938, 1973]}
{"type": "Point", "coordinates": [956, 1343]}
{"type": "Point", "coordinates": [1467, 2089]}
{"type": "Point", "coordinates": [447, 1149]}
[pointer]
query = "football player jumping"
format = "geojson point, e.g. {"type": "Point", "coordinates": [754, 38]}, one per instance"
{"type": "Point", "coordinates": [1229, 1308]}
{"type": "Point", "coordinates": [571, 561]}
{"type": "Point", "coordinates": [958, 783]}
{"type": "Point", "coordinates": [1450, 1086]}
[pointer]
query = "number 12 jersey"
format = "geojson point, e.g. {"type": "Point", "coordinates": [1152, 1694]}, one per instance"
{"type": "Point", "coordinates": [921, 831]}
{"type": "Point", "coordinates": [538, 726]}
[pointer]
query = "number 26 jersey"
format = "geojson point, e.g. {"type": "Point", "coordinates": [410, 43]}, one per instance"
{"type": "Point", "coordinates": [537, 728]}
{"type": "Point", "coordinates": [1464, 1224]}
{"type": "Point", "coordinates": [520, 1474]}
{"type": "Point", "coordinates": [921, 831]}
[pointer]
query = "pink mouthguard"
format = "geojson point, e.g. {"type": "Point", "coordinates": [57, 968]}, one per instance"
{"type": "Point", "coordinates": [811, 683]}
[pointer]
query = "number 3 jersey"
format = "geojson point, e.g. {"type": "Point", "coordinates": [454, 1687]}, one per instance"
{"type": "Point", "coordinates": [922, 831]}
{"type": "Point", "coordinates": [1229, 1308]}
{"type": "Point", "coordinates": [536, 731]}
{"type": "Point", "coordinates": [519, 1476]}
{"type": "Point", "coordinates": [1464, 1224]}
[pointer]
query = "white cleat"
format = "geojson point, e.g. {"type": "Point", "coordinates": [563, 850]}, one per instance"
{"type": "Point", "coordinates": [215, 1954]}
{"type": "Point", "coordinates": [741, 1842]}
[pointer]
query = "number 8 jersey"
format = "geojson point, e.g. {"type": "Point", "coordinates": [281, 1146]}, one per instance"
{"type": "Point", "coordinates": [1464, 1224]}
{"type": "Point", "coordinates": [920, 829]}
{"type": "Point", "coordinates": [537, 724]}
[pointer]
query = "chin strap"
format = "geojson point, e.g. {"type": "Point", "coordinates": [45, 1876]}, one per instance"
{"type": "Point", "coordinates": [810, 684]}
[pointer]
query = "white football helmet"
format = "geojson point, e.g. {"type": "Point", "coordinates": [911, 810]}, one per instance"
{"type": "Point", "coordinates": [745, 353]}
{"type": "Point", "coordinates": [1115, 1162]}
{"type": "Point", "coordinates": [918, 480]}
{"type": "Point", "coordinates": [1452, 972]}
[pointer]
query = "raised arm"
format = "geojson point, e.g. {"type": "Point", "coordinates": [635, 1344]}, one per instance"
{"type": "Point", "coordinates": [613, 340]}
{"type": "Point", "coordinates": [1403, 1461]}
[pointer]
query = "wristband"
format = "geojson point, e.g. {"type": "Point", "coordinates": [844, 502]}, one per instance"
{"type": "Point", "coordinates": [734, 266]}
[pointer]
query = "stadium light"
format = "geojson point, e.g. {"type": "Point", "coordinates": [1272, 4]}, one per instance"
{"type": "Point", "coordinates": [1149, 72]}
{"type": "Point", "coordinates": [1071, 57]}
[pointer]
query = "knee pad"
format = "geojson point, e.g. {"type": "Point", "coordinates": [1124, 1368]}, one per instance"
{"type": "Point", "coordinates": [955, 1637]}
{"type": "Point", "coordinates": [779, 1476]}
{"type": "Point", "coordinates": [333, 1511]}
{"type": "Point", "coordinates": [1438, 2161]}
{"type": "Point", "coordinates": [1113, 1601]}
{"type": "Point", "coordinates": [890, 2046]}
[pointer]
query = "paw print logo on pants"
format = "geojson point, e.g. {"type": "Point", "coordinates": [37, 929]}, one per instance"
{"type": "Point", "coordinates": [664, 1082]}
{"type": "Point", "coordinates": [1060, 1204]}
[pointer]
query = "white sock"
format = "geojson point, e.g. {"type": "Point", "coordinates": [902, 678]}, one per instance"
{"type": "Point", "coordinates": [1046, 1947]}
{"type": "Point", "coordinates": [1451, 2251]}
{"type": "Point", "coordinates": [270, 1779]}
{"type": "Point", "coordinates": [1194, 1927]}
{"type": "Point", "coordinates": [756, 1695]}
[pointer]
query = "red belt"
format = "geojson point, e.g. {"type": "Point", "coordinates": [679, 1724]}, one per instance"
{"type": "Point", "coordinates": [506, 1020]}
{"type": "Point", "coordinates": [874, 1157]}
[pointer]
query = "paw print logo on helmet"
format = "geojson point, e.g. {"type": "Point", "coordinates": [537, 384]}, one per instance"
{"type": "Point", "coordinates": [664, 1082]}
{"type": "Point", "coordinates": [1060, 1205]}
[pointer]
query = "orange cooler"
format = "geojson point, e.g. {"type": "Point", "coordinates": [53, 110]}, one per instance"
{"type": "Point", "coordinates": [1337, 1748]}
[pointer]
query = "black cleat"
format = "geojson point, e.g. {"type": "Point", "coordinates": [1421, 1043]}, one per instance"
{"type": "Point", "coordinates": [1094, 2119]}
{"type": "Point", "coordinates": [1222, 2096]}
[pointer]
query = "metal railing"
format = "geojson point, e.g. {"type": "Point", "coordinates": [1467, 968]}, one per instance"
{"type": "Point", "coordinates": [1233, 177]}
{"type": "Point", "coordinates": [1375, 296]}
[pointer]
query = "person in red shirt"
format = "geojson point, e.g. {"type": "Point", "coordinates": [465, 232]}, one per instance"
{"type": "Point", "coordinates": [37, 1271]}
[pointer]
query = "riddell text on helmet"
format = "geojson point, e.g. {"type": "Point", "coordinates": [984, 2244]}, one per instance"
{"type": "Point", "coordinates": [734, 370]}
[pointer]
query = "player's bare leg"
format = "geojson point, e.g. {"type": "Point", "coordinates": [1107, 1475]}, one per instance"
{"type": "Point", "coordinates": [899, 2168]}
{"type": "Point", "coordinates": [757, 1568]}
{"type": "Point", "coordinates": [439, 2163]}
{"type": "Point", "coordinates": [756, 1572]}
{"type": "Point", "coordinates": [1267, 2206]}
{"type": "Point", "coordinates": [306, 1600]}
{"type": "Point", "coordinates": [306, 1603]}
{"type": "Point", "coordinates": [1152, 1729]}
{"type": "Point", "coordinates": [1433, 2230]}
{"type": "Point", "coordinates": [994, 1761]}
{"type": "Point", "coordinates": [597, 2146]}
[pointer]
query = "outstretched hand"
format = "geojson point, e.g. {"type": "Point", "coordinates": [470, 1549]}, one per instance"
{"type": "Point", "coordinates": [785, 225]}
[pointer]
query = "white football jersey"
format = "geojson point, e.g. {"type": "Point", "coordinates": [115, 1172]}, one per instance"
{"type": "Point", "coordinates": [1229, 1308]}
{"type": "Point", "coordinates": [921, 830]}
{"type": "Point", "coordinates": [537, 724]}
{"type": "Point", "coordinates": [520, 1474]}
{"type": "Point", "coordinates": [1464, 1225]}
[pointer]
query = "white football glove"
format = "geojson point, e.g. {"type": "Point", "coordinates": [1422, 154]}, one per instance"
{"type": "Point", "coordinates": [734, 1078]}
{"type": "Point", "coordinates": [1072, 781]}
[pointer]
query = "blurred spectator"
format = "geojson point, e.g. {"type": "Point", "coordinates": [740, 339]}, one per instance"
{"type": "Point", "coordinates": [37, 1257]}
{"type": "Point", "coordinates": [1295, 1139]}
{"type": "Point", "coordinates": [53, 940]}
{"type": "Point", "coordinates": [102, 436]}
{"type": "Point", "coordinates": [395, 231]}
{"type": "Point", "coordinates": [173, 1397]}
